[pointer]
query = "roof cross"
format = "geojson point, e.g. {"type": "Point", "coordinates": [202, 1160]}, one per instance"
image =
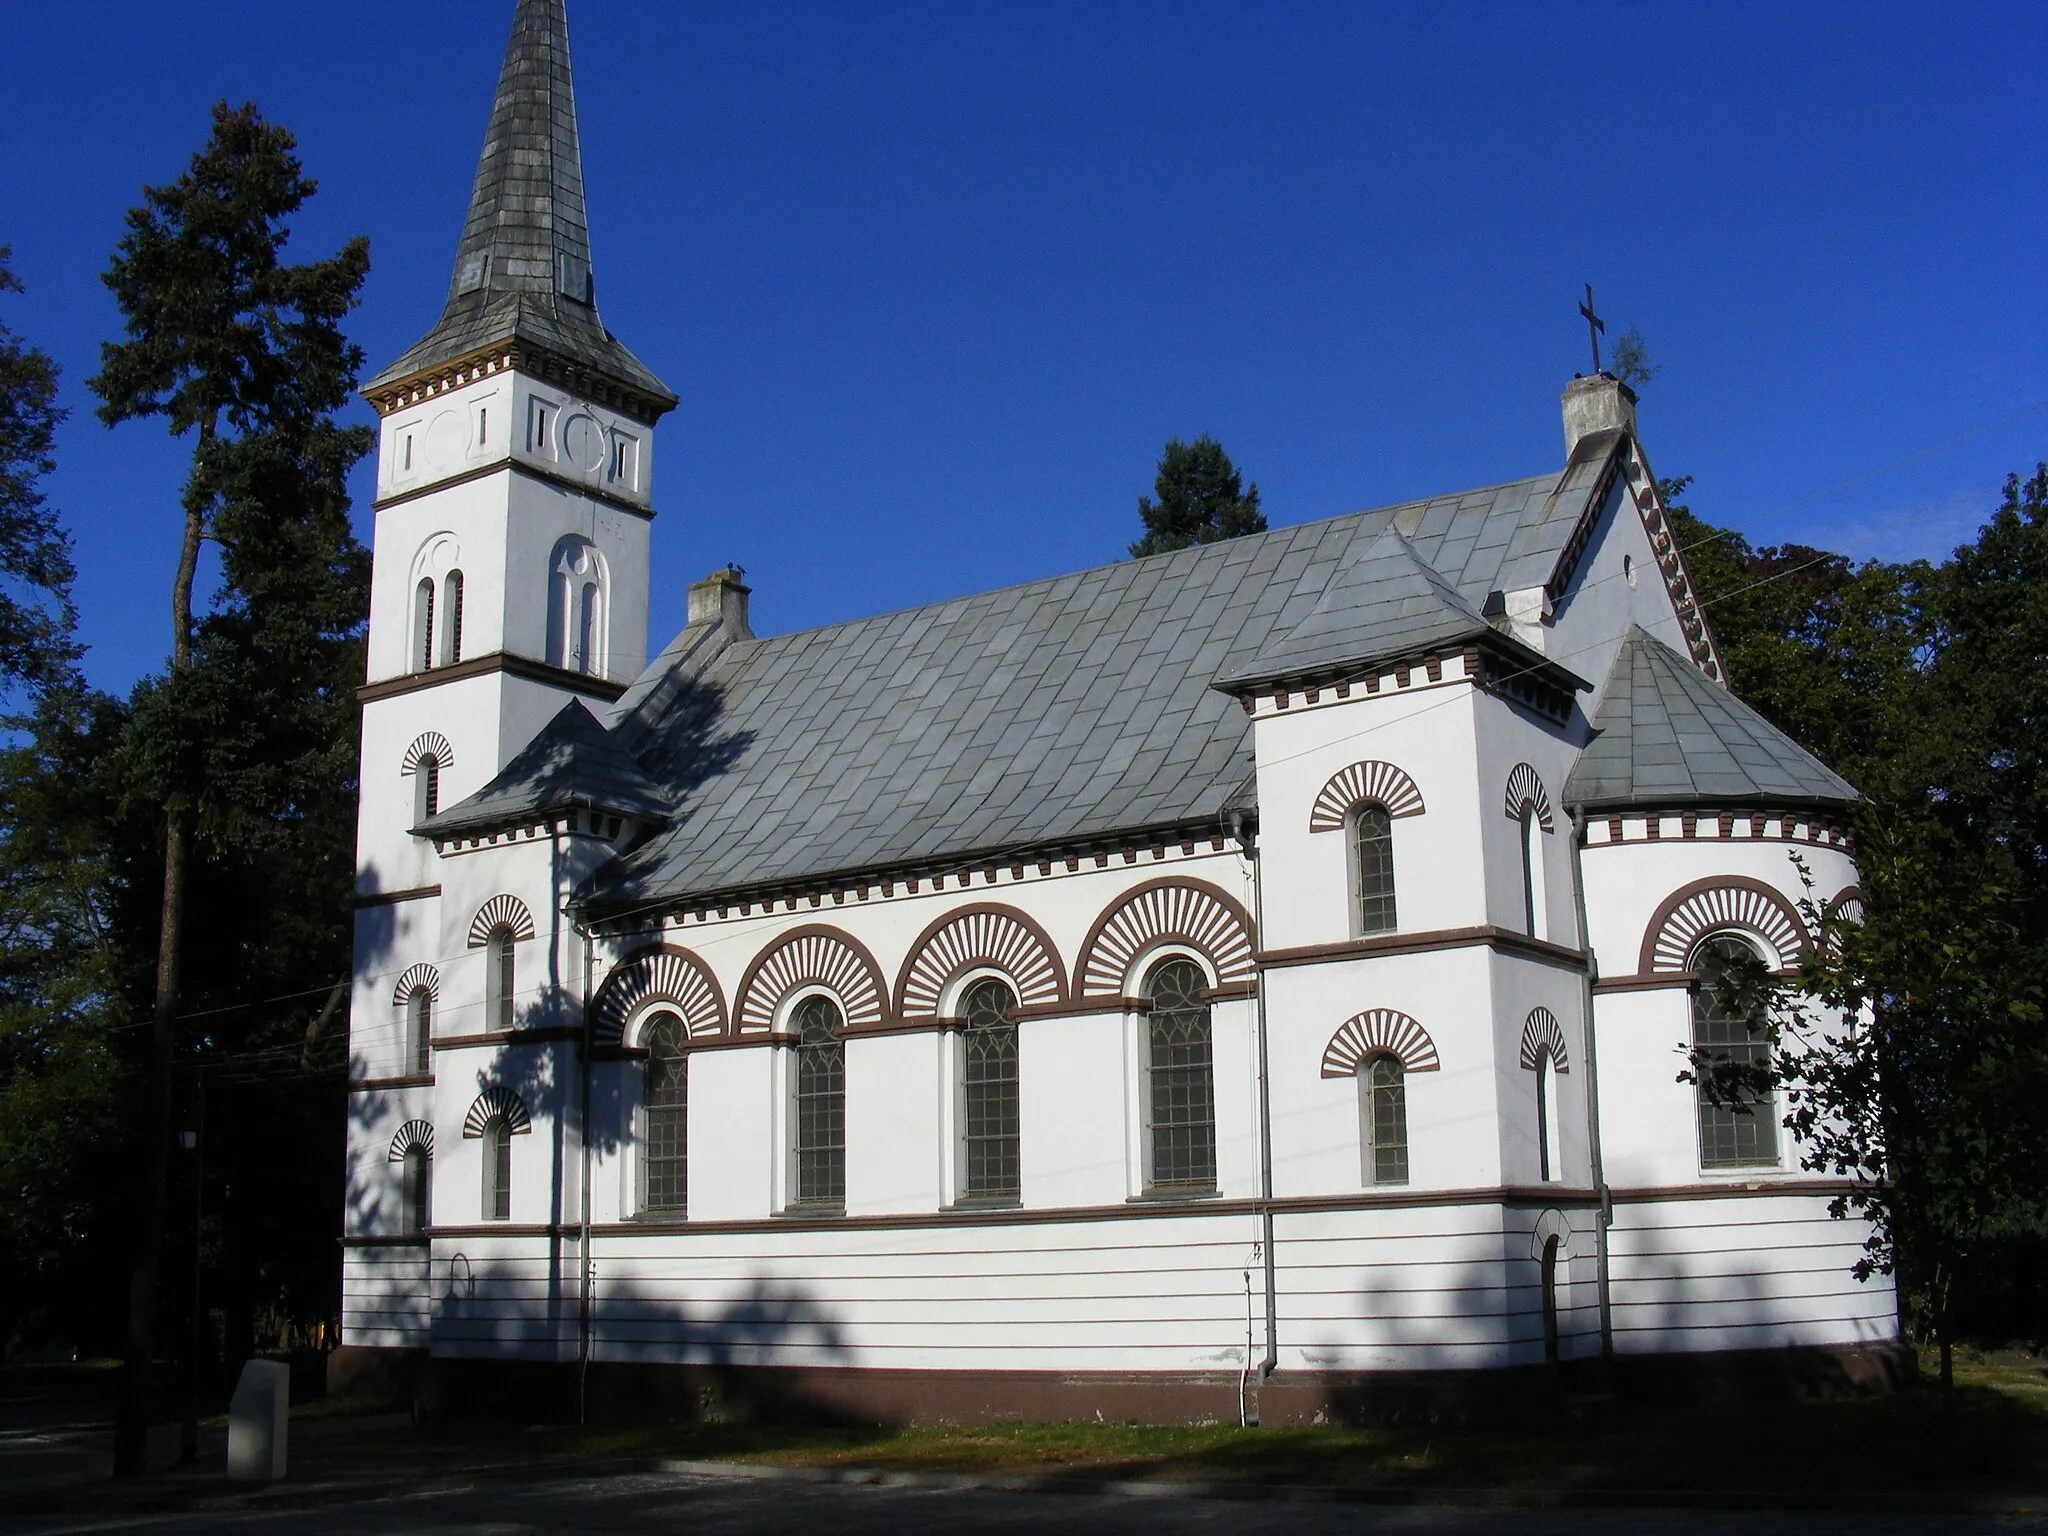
{"type": "Point", "coordinates": [1595, 327]}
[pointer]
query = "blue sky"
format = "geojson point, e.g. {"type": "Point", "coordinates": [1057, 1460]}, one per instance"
{"type": "Point", "coordinates": [935, 282]}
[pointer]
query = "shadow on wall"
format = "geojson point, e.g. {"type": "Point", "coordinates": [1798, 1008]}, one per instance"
{"type": "Point", "coordinates": [770, 1354]}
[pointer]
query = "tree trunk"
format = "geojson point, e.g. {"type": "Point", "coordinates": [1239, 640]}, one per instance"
{"type": "Point", "coordinates": [131, 1430]}
{"type": "Point", "coordinates": [1948, 1384]}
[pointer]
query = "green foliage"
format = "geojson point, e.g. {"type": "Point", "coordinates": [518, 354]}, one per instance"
{"type": "Point", "coordinates": [1912, 1054]}
{"type": "Point", "coordinates": [1201, 498]}
{"type": "Point", "coordinates": [36, 616]}
{"type": "Point", "coordinates": [1629, 361]}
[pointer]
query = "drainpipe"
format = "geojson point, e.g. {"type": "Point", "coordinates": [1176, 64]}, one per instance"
{"type": "Point", "coordinates": [1251, 853]}
{"type": "Point", "coordinates": [584, 1319]}
{"type": "Point", "coordinates": [1605, 1216]}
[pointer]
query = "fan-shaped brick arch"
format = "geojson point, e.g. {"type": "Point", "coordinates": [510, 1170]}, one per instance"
{"type": "Point", "coordinates": [1379, 1032]}
{"type": "Point", "coordinates": [1525, 787]}
{"type": "Point", "coordinates": [1847, 905]}
{"type": "Point", "coordinates": [1721, 902]}
{"type": "Point", "coordinates": [664, 973]}
{"type": "Point", "coordinates": [414, 1133]}
{"type": "Point", "coordinates": [1160, 912]}
{"type": "Point", "coordinates": [428, 744]}
{"type": "Point", "coordinates": [500, 912]}
{"type": "Point", "coordinates": [1370, 780]}
{"type": "Point", "coordinates": [417, 978]}
{"type": "Point", "coordinates": [497, 1102]}
{"type": "Point", "coordinates": [1543, 1036]}
{"type": "Point", "coordinates": [815, 956]}
{"type": "Point", "coordinates": [996, 936]}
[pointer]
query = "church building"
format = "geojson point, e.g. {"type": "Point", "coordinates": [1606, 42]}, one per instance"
{"type": "Point", "coordinates": [1246, 980]}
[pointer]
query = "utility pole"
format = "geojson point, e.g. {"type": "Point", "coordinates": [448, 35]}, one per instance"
{"type": "Point", "coordinates": [195, 1143]}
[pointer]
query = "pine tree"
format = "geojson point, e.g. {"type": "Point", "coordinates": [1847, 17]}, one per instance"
{"type": "Point", "coordinates": [1201, 499]}
{"type": "Point", "coordinates": [37, 646]}
{"type": "Point", "coordinates": [244, 354]}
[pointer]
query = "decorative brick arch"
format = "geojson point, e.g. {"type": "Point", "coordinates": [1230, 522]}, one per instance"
{"type": "Point", "coordinates": [428, 744]}
{"type": "Point", "coordinates": [987, 934]}
{"type": "Point", "coordinates": [811, 956]}
{"type": "Point", "coordinates": [1543, 1036]}
{"type": "Point", "coordinates": [1369, 780]}
{"type": "Point", "coordinates": [1379, 1032]}
{"type": "Point", "coordinates": [1169, 910]}
{"type": "Point", "coordinates": [414, 1133]}
{"type": "Point", "coordinates": [417, 978]}
{"type": "Point", "coordinates": [1720, 902]}
{"type": "Point", "coordinates": [1846, 905]}
{"type": "Point", "coordinates": [507, 912]}
{"type": "Point", "coordinates": [496, 1102]}
{"type": "Point", "coordinates": [661, 973]}
{"type": "Point", "coordinates": [1525, 788]}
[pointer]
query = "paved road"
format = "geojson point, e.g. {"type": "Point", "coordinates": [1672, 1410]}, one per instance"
{"type": "Point", "coordinates": [629, 1504]}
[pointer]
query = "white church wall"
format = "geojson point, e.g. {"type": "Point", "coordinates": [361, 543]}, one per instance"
{"type": "Point", "coordinates": [896, 1098]}
{"type": "Point", "coordinates": [1618, 582]}
{"type": "Point", "coordinates": [1428, 735]}
{"type": "Point", "coordinates": [1076, 1141]}
{"type": "Point", "coordinates": [1758, 1272]}
{"type": "Point", "coordinates": [1522, 985]}
{"type": "Point", "coordinates": [386, 1299]}
{"type": "Point", "coordinates": [389, 938]}
{"type": "Point", "coordinates": [1505, 739]}
{"type": "Point", "coordinates": [1452, 1109]}
{"type": "Point", "coordinates": [464, 714]}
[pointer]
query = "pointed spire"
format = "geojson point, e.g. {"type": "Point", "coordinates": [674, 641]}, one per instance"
{"type": "Point", "coordinates": [522, 267]}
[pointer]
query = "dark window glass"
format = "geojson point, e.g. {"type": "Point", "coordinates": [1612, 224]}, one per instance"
{"type": "Point", "coordinates": [451, 652]}
{"type": "Point", "coordinates": [1372, 841]}
{"type": "Point", "coordinates": [1543, 1116]}
{"type": "Point", "coordinates": [820, 1104]}
{"type": "Point", "coordinates": [1531, 851]}
{"type": "Point", "coordinates": [1732, 1137]}
{"type": "Point", "coordinates": [498, 1171]}
{"type": "Point", "coordinates": [500, 979]}
{"type": "Point", "coordinates": [426, 788]}
{"type": "Point", "coordinates": [423, 626]}
{"type": "Point", "coordinates": [419, 1028]}
{"type": "Point", "coordinates": [665, 1154]}
{"type": "Point", "coordinates": [1183, 1086]}
{"type": "Point", "coordinates": [413, 1173]}
{"type": "Point", "coordinates": [1550, 1255]}
{"type": "Point", "coordinates": [1383, 1088]}
{"type": "Point", "coordinates": [989, 1073]}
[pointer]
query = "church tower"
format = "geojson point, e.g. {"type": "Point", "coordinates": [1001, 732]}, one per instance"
{"type": "Point", "coordinates": [514, 459]}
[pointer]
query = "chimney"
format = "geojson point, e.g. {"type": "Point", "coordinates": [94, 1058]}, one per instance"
{"type": "Point", "coordinates": [721, 598]}
{"type": "Point", "coordinates": [1596, 404]}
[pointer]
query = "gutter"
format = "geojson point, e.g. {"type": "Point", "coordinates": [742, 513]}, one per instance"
{"type": "Point", "coordinates": [585, 1321]}
{"type": "Point", "coordinates": [1604, 1218]}
{"type": "Point", "coordinates": [1271, 1361]}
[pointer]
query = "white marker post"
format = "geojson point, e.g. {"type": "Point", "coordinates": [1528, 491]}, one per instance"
{"type": "Point", "coordinates": [256, 1422]}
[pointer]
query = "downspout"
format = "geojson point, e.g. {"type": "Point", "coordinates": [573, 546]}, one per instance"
{"type": "Point", "coordinates": [1251, 853]}
{"type": "Point", "coordinates": [584, 1318]}
{"type": "Point", "coordinates": [1604, 1217]}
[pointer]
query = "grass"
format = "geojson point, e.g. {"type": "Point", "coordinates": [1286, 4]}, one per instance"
{"type": "Point", "coordinates": [1874, 1445]}
{"type": "Point", "coordinates": [1896, 1443]}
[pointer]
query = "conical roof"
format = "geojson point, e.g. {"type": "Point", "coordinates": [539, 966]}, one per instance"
{"type": "Point", "coordinates": [522, 267]}
{"type": "Point", "coordinates": [1666, 734]}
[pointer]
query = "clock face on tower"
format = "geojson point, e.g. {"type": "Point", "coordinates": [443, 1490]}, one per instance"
{"type": "Point", "coordinates": [583, 441]}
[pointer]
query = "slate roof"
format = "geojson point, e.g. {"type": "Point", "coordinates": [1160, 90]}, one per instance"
{"type": "Point", "coordinates": [1667, 735]}
{"type": "Point", "coordinates": [574, 761]}
{"type": "Point", "coordinates": [522, 267]}
{"type": "Point", "coordinates": [1078, 706]}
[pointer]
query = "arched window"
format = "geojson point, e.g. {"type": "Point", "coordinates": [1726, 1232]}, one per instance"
{"type": "Point", "coordinates": [1532, 872]}
{"type": "Point", "coordinates": [1727, 1025]}
{"type": "Point", "coordinates": [989, 1077]}
{"type": "Point", "coordinates": [1182, 1081]}
{"type": "Point", "coordinates": [1551, 1247]}
{"type": "Point", "coordinates": [415, 1182]}
{"type": "Point", "coordinates": [576, 603]}
{"type": "Point", "coordinates": [500, 978]}
{"type": "Point", "coordinates": [497, 1150]}
{"type": "Point", "coordinates": [426, 788]}
{"type": "Point", "coordinates": [451, 636]}
{"type": "Point", "coordinates": [665, 1151]}
{"type": "Point", "coordinates": [1383, 1116]}
{"type": "Point", "coordinates": [1372, 849]}
{"type": "Point", "coordinates": [1546, 1149]}
{"type": "Point", "coordinates": [419, 1030]}
{"type": "Point", "coordinates": [423, 625]}
{"type": "Point", "coordinates": [820, 1104]}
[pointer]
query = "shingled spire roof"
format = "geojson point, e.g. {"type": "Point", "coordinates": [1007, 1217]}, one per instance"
{"type": "Point", "coordinates": [522, 268]}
